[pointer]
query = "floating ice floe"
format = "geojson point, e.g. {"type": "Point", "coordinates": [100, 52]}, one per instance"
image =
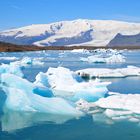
{"type": "Point", "coordinates": [9, 58]}
{"type": "Point", "coordinates": [115, 58]}
{"type": "Point", "coordinates": [79, 51]}
{"type": "Point", "coordinates": [107, 51]}
{"type": "Point", "coordinates": [11, 68]}
{"type": "Point", "coordinates": [115, 107]}
{"type": "Point", "coordinates": [109, 73]}
{"type": "Point", "coordinates": [65, 83]}
{"type": "Point", "coordinates": [21, 97]}
{"type": "Point", "coordinates": [26, 61]}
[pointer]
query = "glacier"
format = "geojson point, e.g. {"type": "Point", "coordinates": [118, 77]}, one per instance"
{"type": "Point", "coordinates": [70, 33]}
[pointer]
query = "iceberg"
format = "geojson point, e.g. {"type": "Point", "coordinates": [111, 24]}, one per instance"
{"type": "Point", "coordinates": [109, 73]}
{"type": "Point", "coordinates": [9, 58]}
{"type": "Point", "coordinates": [115, 107]}
{"type": "Point", "coordinates": [11, 68]}
{"type": "Point", "coordinates": [20, 97]}
{"type": "Point", "coordinates": [65, 83]}
{"type": "Point", "coordinates": [115, 58]}
{"type": "Point", "coordinates": [27, 61]}
{"type": "Point", "coordinates": [79, 51]}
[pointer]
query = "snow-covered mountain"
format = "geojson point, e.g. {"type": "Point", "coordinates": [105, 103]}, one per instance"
{"type": "Point", "coordinates": [125, 40]}
{"type": "Point", "coordinates": [67, 33]}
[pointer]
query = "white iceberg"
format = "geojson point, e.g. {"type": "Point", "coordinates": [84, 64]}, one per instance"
{"type": "Point", "coordinates": [115, 58]}
{"type": "Point", "coordinates": [109, 73]}
{"type": "Point", "coordinates": [20, 97]}
{"type": "Point", "coordinates": [9, 58]}
{"type": "Point", "coordinates": [126, 102]}
{"type": "Point", "coordinates": [65, 83]}
{"type": "Point", "coordinates": [116, 107]}
{"type": "Point", "coordinates": [79, 51]}
{"type": "Point", "coordinates": [27, 61]}
{"type": "Point", "coordinates": [11, 68]}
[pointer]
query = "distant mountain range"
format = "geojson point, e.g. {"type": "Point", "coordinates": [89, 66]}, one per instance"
{"type": "Point", "coordinates": [79, 32]}
{"type": "Point", "coordinates": [125, 40]}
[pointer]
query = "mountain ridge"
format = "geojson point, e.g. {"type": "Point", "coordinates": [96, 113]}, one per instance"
{"type": "Point", "coordinates": [81, 32]}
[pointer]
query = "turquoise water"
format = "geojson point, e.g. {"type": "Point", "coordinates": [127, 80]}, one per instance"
{"type": "Point", "coordinates": [38, 126]}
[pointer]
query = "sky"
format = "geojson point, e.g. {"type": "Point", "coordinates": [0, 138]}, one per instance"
{"type": "Point", "coordinates": [18, 13]}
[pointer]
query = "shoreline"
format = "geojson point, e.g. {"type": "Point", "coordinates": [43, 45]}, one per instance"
{"type": "Point", "coordinates": [7, 47]}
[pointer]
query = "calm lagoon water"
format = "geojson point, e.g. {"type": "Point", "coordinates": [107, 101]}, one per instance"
{"type": "Point", "coordinates": [37, 126]}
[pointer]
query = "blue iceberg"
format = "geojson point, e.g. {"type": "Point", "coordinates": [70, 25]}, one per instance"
{"type": "Point", "coordinates": [65, 83]}
{"type": "Point", "coordinates": [21, 97]}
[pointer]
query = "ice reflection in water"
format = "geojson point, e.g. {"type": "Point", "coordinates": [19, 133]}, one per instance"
{"type": "Point", "coordinates": [14, 120]}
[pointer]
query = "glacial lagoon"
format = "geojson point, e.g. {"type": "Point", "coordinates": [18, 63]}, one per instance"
{"type": "Point", "coordinates": [34, 125]}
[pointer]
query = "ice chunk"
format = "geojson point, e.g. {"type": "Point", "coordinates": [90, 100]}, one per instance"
{"type": "Point", "coordinates": [79, 51]}
{"type": "Point", "coordinates": [42, 80]}
{"type": "Point", "coordinates": [20, 97]}
{"type": "Point", "coordinates": [94, 59]}
{"type": "Point", "coordinates": [115, 58]}
{"type": "Point", "coordinates": [122, 101]}
{"type": "Point", "coordinates": [109, 73]}
{"type": "Point", "coordinates": [27, 61]}
{"type": "Point", "coordinates": [116, 107]}
{"type": "Point", "coordinates": [11, 68]}
{"type": "Point", "coordinates": [64, 83]}
{"type": "Point", "coordinates": [9, 58]}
